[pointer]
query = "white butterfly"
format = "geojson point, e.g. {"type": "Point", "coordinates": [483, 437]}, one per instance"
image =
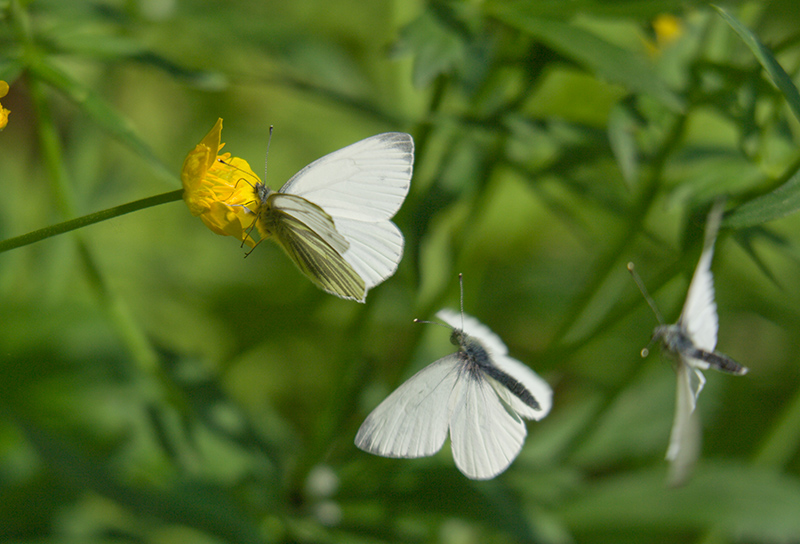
{"type": "Point", "coordinates": [333, 217]}
{"type": "Point", "coordinates": [479, 394]}
{"type": "Point", "coordinates": [691, 342]}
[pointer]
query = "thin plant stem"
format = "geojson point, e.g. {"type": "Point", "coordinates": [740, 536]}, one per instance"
{"type": "Point", "coordinates": [90, 219]}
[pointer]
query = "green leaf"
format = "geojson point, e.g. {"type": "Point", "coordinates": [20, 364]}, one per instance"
{"type": "Point", "coordinates": [748, 503]}
{"type": "Point", "coordinates": [778, 75]}
{"type": "Point", "coordinates": [779, 203]}
{"type": "Point", "coordinates": [644, 10]}
{"type": "Point", "coordinates": [437, 49]}
{"type": "Point", "coordinates": [622, 127]}
{"type": "Point", "coordinates": [103, 114]}
{"type": "Point", "coordinates": [607, 60]}
{"type": "Point", "coordinates": [189, 502]}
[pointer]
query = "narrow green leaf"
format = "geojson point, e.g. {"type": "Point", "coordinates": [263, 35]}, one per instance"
{"type": "Point", "coordinates": [607, 60]}
{"type": "Point", "coordinates": [621, 136]}
{"type": "Point", "coordinates": [751, 504]}
{"type": "Point", "coordinates": [779, 203]}
{"type": "Point", "coordinates": [778, 75]}
{"type": "Point", "coordinates": [437, 49]}
{"type": "Point", "coordinates": [188, 502]}
{"type": "Point", "coordinates": [103, 114]}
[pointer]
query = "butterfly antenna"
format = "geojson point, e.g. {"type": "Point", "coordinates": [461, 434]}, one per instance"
{"type": "Point", "coordinates": [646, 350]}
{"type": "Point", "coordinates": [243, 171]}
{"type": "Point", "coordinates": [266, 155]}
{"type": "Point", "coordinates": [432, 323]}
{"type": "Point", "coordinates": [461, 284]}
{"type": "Point", "coordinates": [647, 297]}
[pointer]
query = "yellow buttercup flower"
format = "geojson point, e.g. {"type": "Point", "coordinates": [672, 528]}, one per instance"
{"type": "Point", "coordinates": [220, 188]}
{"type": "Point", "coordinates": [3, 112]}
{"type": "Point", "coordinates": [667, 29]}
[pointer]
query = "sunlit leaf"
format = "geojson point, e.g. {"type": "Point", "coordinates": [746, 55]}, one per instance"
{"type": "Point", "coordinates": [607, 60]}
{"type": "Point", "coordinates": [436, 48]}
{"type": "Point", "coordinates": [767, 60]}
{"type": "Point", "coordinates": [781, 202]}
{"type": "Point", "coordinates": [103, 114]}
{"type": "Point", "coordinates": [747, 503]}
{"type": "Point", "coordinates": [621, 134]}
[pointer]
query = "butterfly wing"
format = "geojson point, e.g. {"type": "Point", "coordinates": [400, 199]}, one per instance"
{"type": "Point", "coordinates": [308, 236]}
{"type": "Point", "coordinates": [699, 315]}
{"type": "Point", "coordinates": [684, 442]}
{"type": "Point", "coordinates": [361, 187]}
{"type": "Point", "coordinates": [366, 181]}
{"type": "Point", "coordinates": [485, 436]}
{"type": "Point", "coordinates": [413, 420]}
{"type": "Point", "coordinates": [375, 248]}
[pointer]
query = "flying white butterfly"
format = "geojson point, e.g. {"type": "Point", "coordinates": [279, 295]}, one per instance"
{"type": "Point", "coordinates": [333, 217]}
{"type": "Point", "coordinates": [691, 342]}
{"type": "Point", "coordinates": [479, 394]}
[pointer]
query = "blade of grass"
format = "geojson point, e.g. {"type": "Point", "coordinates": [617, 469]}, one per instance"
{"type": "Point", "coordinates": [778, 75]}
{"type": "Point", "coordinates": [607, 60]}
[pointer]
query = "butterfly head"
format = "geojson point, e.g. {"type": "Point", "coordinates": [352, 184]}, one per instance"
{"type": "Point", "coordinates": [458, 338]}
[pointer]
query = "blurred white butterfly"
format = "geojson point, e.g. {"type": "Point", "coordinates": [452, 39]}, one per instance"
{"type": "Point", "coordinates": [333, 217]}
{"type": "Point", "coordinates": [479, 394]}
{"type": "Point", "coordinates": [691, 342]}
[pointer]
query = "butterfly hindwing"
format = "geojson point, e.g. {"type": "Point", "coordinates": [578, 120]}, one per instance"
{"type": "Point", "coordinates": [375, 249]}
{"type": "Point", "coordinates": [684, 441]}
{"type": "Point", "coordinates": [486, 435]}
{"type": "Point", "coordinates": [306, 234]}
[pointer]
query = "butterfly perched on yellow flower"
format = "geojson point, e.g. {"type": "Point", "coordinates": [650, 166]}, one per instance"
{"type": "Point", "coordinates": [333, 218]}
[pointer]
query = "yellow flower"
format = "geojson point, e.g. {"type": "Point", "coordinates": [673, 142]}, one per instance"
{"type": "Point", "coordinates": [3, 112]}
{"type": "Point", "coordinates": [221, 193]}
{"type": "Point", "coordinates": [667, 29]}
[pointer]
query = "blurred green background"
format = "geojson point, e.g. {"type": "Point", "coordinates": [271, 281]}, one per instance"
{"type": "Point", "coordinates": [157, 387]}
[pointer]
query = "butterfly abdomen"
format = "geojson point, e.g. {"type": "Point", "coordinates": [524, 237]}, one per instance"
{"type": "Point", "coordinates": [719, 361]}
{"type": "Point", "coordinates": [480, 364]}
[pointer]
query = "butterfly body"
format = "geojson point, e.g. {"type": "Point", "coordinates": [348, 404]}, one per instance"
{"type": "Point", "coordinates": [476, 361]}
{"type": "Point", "coordinates": [333, 218]}
{"type": "Point", "coordinates": [479, 395]}
{"type": "Point", "coordinates": [691, 342]}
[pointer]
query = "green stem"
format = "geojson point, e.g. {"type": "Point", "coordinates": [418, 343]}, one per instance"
{"type": "Point", "coordinates": [782, 442]}
{"type": "Point", "coordinates": [78, 222]}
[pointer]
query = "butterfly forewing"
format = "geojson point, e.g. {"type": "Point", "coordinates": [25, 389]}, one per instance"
{"type": "Point", "coordinates": [365, 181]}
{"type": "Point", "coordinates": [699, 315]}
{"type": "Point", "coordinates": [413, 420]}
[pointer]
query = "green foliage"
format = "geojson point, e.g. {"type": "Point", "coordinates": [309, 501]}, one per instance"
{"type": "Point", "coordinates": [155, 386]}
